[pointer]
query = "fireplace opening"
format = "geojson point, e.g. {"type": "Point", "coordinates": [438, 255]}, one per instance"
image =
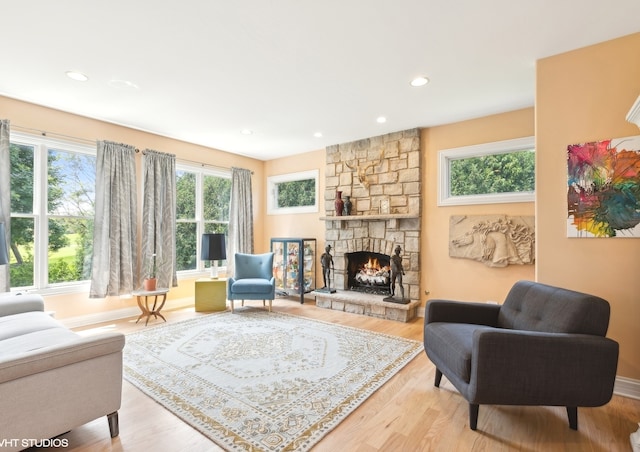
{"type": "Point", "coordinates": [369, 272]}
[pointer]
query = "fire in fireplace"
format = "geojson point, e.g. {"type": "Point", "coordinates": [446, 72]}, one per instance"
{"type": "Point", "coordinates": [369, 272]}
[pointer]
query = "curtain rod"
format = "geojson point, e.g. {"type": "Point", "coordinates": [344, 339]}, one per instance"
{"type": "Point", "coordinates": [44, 133]}
{"type": "Point", "coordinates": [194, 162]}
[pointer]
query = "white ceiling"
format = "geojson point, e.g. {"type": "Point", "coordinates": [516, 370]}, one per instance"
{"type": "Point", "coordinates": [285, 69]}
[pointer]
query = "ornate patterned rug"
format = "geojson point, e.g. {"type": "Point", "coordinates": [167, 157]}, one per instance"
{"type": "Point", "coordinates": [256, 380]}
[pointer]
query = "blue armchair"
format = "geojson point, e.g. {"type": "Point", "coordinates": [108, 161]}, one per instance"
{"type": "Point", "coordinates": [253, 279]}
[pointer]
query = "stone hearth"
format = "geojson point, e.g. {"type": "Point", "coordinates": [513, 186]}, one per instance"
{"type": "Point", "coordinates": [382, 177]}
{"type": "Point", "coordinates": [371, 305]}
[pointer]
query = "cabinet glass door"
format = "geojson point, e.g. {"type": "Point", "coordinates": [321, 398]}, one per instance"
{"type": "Point", "coordinates": [294, 266]}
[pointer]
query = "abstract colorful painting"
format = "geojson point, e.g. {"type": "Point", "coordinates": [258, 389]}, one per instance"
{"type": "Point", "coordinates": [603, 195]}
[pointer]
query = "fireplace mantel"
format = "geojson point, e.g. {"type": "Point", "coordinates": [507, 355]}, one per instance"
{"type": "Point", "coordinates": [390, 216]}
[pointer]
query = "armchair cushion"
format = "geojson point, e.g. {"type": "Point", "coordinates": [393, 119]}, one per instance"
{"type": "Point", "coordinates": [253, 266]}
{"type": "Point", "coordinates": [252, 286]}
{"type": "Point", "coordinates": [538, 307]}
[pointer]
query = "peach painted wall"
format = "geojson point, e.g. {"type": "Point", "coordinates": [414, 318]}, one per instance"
{"type": "Point", "coordinates": [306, 225]}
{"type": "Point", "coordinates": [464, 279]}
{"type": "Point", "coordinates": [582, 96]}
{"type": "Point", "coordinates": [26, 115]}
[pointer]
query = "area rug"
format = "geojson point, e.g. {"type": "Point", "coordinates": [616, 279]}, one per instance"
{"type": "Point", "coordinates": [261, 381]}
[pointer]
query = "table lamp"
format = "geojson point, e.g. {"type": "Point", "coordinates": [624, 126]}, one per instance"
{"type": "Point", "coordinates": [4, 255]}
{"type": "Point", "coordinates": [213, 249]}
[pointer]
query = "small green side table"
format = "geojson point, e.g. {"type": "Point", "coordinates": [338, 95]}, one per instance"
{"type": "Point", "coordinates": [211, 294]}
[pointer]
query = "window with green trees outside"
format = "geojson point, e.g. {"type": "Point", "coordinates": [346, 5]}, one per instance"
{"type": "Point", "coordinates": [489, 173]}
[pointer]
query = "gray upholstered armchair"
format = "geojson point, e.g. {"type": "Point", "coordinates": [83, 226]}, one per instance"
{"type": "Point", "coordinates": [253, 279]}
{"type": "Point", "coordinates": [543, 346]}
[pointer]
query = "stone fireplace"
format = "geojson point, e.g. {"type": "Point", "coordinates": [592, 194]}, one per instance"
{"type": "Point", "coordinates": [382, 177]}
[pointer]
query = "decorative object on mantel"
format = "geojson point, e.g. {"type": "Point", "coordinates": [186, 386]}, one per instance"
{"type": "Point", "coordinates": [397, 270]}
{"type": "Point", "coordinates": [361, 170]}
{"type": "Point", "coordinates": [236, 389]}
{"type": "Point", "coordinates": [339, 203]}
{"type": "Point", "coordinates": [603, 193]}
{"type": "Point", "coordinates": [348, 205]}
{"type": "Point", "coordinates": [326, 260]}
{"type": "Point", "coordinates": [495, 240]}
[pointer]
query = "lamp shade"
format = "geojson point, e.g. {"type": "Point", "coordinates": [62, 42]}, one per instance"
{"type": "Point", "coordinates": [4, 256]}
{"type": "Point", "coordinates": [213, 247]}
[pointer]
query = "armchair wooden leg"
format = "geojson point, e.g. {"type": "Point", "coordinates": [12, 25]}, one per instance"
{"type": "Point", "coordinates": [438, 378]}
{"type": "Point", "coordinates": [473, 416]}
{"type": "Point", "coordinates": [231, 303]}
{"type": "Point", "coordinates": [114, 428]}
{"type": "Point", "coordinates": [572, 413]}
{"type": "Point", "coordinates": [270, 301]}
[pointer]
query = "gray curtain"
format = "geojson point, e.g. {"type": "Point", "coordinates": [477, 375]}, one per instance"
{"type": "Point", "coordinates": [159, 217]}
{"type": "Point", "coordinates": [115, 259]}
{"type": "Point", "coordinates": [5, 197]}
{"type": "Point", "coordinates": [240, 215]}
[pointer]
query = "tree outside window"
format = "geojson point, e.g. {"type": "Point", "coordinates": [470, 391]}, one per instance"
{"type": "Point", "coordinates": [52, 209]}
{"type": "Point", "coordinates": [498, 172]}
{"type": "Point", "coordinates": [293, 193]}
{"type": "Point", "coordinates": [203, 197]}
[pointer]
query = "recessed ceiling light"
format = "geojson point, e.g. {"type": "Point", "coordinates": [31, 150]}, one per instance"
{"type": "Point", "coordinates": [318, 134]}
{"type": "Point", "coordinates": [419, 81]}
{"type": "Point", "coordinates": [381, 119]}
{"type": "Point", "coordinates": [246, 132]}
{"type": "Point", "coordinates": [77, 76]}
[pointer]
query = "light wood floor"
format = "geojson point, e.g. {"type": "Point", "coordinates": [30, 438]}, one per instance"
{"type": "Point", "coordinates": [407, 414]}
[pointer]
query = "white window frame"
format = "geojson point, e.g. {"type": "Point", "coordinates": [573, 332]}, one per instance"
{"type": "Point", "coordinates": [40, 215]}
{"type": "Point", "coordinates": [446, 156]}
{"type": "Point", "coordinates": [272, 192]}
{"type": "Point", "coordinates": [200, 171]}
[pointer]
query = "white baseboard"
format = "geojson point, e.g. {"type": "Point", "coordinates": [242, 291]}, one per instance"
{"type": "Point", "coordinates": [627, 387]}
{"type": "Point", "coordinates": [117, 314]}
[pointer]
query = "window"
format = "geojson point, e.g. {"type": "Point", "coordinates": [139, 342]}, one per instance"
{"type": "Point", "coordinates": [293, 193]}
{"type": "Point", "coordinates": [203, 197]}
{"type": "Point", "coordinates": [52, 211]}
{"type": "Point", "coordinates": [498, 172]}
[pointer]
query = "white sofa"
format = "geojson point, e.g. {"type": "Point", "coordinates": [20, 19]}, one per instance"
{"type": "Point", "coordinates": [52, 379]}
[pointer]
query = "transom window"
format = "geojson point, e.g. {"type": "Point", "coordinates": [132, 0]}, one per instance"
{"type": "Point", "coordinates": [498, 172]}
{"type": "Point", "coordinates": [293, 193]}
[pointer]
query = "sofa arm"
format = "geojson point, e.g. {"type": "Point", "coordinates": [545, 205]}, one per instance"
{"type": "Point", "coordinates": [532, 368]}
{"type": "Point", "coordinates": [461, 312]}
{"type": "Point", "coordinates": [19, 303]}
{"type": "Point", "coordinates": [40, 360]}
